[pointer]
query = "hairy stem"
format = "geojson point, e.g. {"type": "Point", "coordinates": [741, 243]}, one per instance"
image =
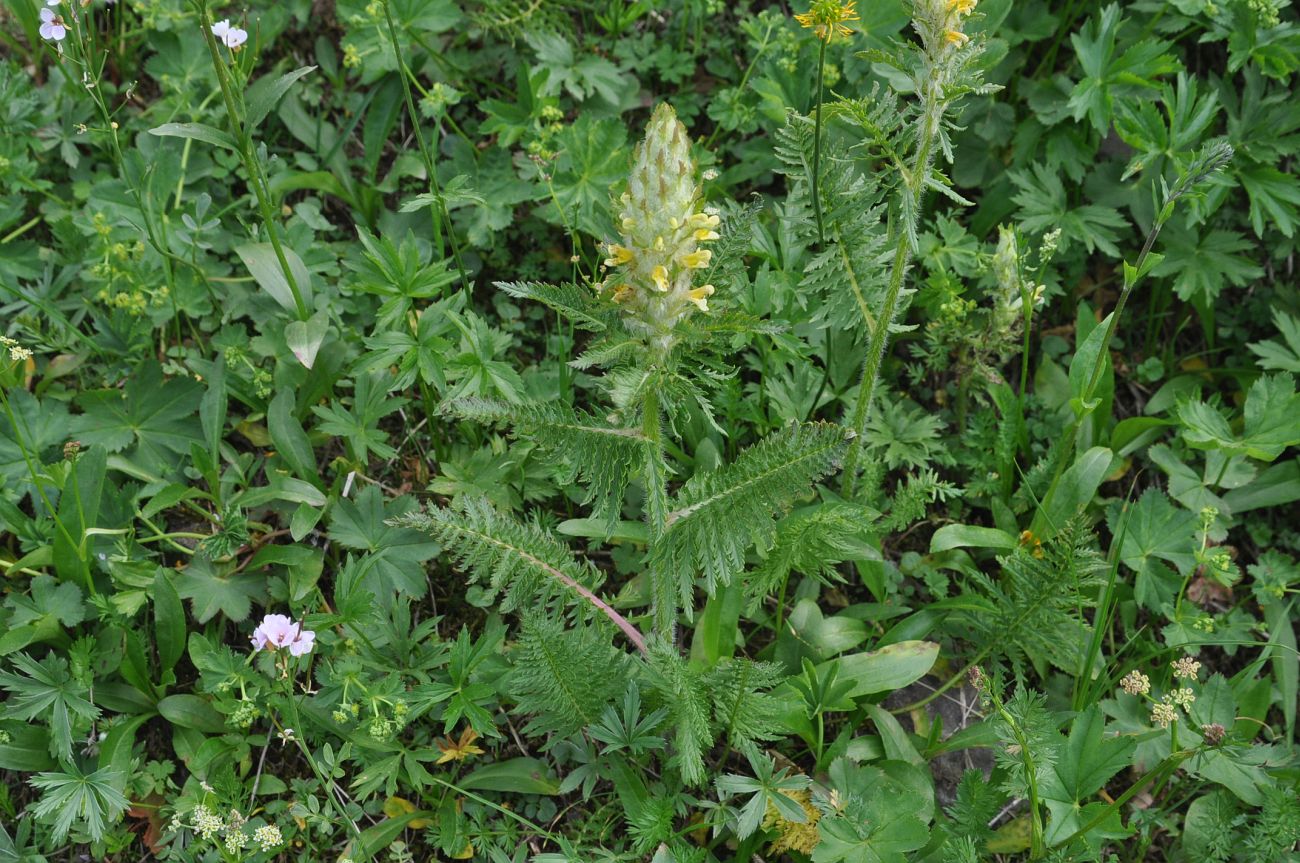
{"type": "Point", "coordinates": [914, 187]}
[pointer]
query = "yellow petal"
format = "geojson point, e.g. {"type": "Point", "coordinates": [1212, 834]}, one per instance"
{"type": "Point", "coordinates": [700, 296]}
{"type": "Point", "coordinates": [660, 276]}
{"type": "Point", "coordinates": [703, 235]}
{"type": "Point", "coordinates": [619, 255]}
{"type": "Point", "coordinates": [698, 259]}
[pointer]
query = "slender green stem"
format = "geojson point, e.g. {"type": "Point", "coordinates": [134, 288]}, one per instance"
{"type": "Point", "coordinates": [441, 216]}
{"type": "Point", "coordinates": [817, 144]}
{"type": "Point", "coordinates": [256, 179]}
{"type": "Point", "coordinates": [664, 592]}
{"type": "Point", "coordinates": [914, 187]}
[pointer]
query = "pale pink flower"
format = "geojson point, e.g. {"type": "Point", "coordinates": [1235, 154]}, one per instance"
{"type": "Point", "coordinates": [277, 631]}
{"type": "Point", "coordinates": [52, 26]}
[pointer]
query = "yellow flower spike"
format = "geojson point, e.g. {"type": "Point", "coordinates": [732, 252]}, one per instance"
{"type": "Point", "coordinates": [660, 276]}
{"type": "Point", "coordinates": [697, 260]}
{"type": "Point", "coordinates": [703, 235]}
{"type": "Point", "coordinates": [956, 37]}
{"type": "Point", "coordinates": [619, 255]}
{"type": "Point", "coordinates": [700, 296]}
{"type": "Point", "coordinates": [826, 18]}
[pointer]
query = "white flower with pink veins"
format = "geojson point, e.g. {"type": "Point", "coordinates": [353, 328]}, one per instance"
{"type": "Point", "coordinates": [231, 37]}
{"type": "Point", "coordinates": [277, 631]}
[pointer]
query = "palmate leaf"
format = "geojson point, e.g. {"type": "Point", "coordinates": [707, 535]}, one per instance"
{"type": "Point", "coordinates": [154, 415]}
{"type": "Point", "coordinates": [718, 515]}
{"type": "Point", "coordinates": [47, 691]}
{"type": "Point", "coordinates": [92, 800]}
{"type": "Point", "coordinates": [601, 456]}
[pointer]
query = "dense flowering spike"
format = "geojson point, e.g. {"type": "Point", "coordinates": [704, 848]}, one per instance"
{"type": "Point", "coordinates": [662, 225]}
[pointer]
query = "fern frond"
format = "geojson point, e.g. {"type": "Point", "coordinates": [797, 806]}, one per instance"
{"type": "Point", "coordinates": [848, 274]}
{"type": "Point", "coordinates": [564, 678]}
{"type": "Point", "coordinates": [813, 542]}
{"type": "Point", "coordinates": [1038, 600]}
{"type": "Point", "coordinates": [718, 515]}
{"type": "Point", "coordinates": [746, 712]}
{"type": "Point", "coordinates": [522, 565]}
{"type": "Point", "coordinates": [600, 456]}
{"type": "Point", "coordinates": [684, 693]}
{"type": "Point", "coordinates": [578, 303]}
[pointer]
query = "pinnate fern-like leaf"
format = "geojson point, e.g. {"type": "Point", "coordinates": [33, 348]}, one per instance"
{"type": "Point", "coordinates": [578, 303]}
{"type": "Point", "coordinates": [522, 565]}
{"type": "Point", "coordinates": [564, 678]}
{"type": "Point", "coordinates": [718, 515]}
{"type": "Point", "coordinates": [601, 456]}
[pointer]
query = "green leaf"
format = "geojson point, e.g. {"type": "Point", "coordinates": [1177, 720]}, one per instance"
{"type": "Point", "coordinates": [197, 132]}
{"type": "Point", "coordinates": [92, 801]}
{"type": "Point", "coordinates": [718, 515]}
{"type": "Point", "coordinates": [1155, 530]}
{"type": "Point", "coordinates": [214, 588]}
{"type": "Point", "coordinates": [212, 410]}
{"type": "Point", "coordinates": [1089, 758]}
{"type": "Point", "coordinates": [47, 692]}
{"type": "Point", "coordinates": [151, 418]}
{"type": "Point", "coordinates": [514, 775]}
{"type": "Point", "coordinates": [1275, 355]}
{"type": "Point", "coordinates": [169, 621]}
{"type": "Point", "coordinates": [395, 554]}
{"type": "Point", "coordinates": [952, 536]}
{"type": "Point", "coordinates": [304, 338]}
{"type": "Point", "coordinates": [1270, 424]}
{"type": "Point", "coordinates": [264, 265]}
{"type": "Point", "coordinates": [42, 426]}
{"type": "Point", "coordinates": [191, 711]}
{"type": "Point", "coordinates": [1075, 490]}
{"type": "Point", "coordinates": [1203, 264]}
{"type": "Point", "coordinates": [265, 92]}
{"type": "Point", "coordinates": [889, 668]}
{"type": "Point", "coordinates": [289, 438]}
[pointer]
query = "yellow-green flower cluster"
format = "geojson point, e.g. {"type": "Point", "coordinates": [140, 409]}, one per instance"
{"type": "Point", "coordinates": [941, 23]}
{"type": "Point", "coordinates": [662, 228]}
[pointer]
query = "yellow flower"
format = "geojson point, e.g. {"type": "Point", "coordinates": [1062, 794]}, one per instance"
{"type": "Point", "coordinates": [697, 259]}
{"type": "Point", "coordinates": [801, 836]}
{"type": "Point", "coordinates": [618, 255]}
{"type": "Point", "coordinates": [660, 276]}
{"type": "Point", "coordinates": [704, 220]}
{"type": "Point", "coordinates": [700, 296]}
{"type": "Point", "coordinates": [459, 750]}
{"type": "Point", "coordinates": [703, 235]}
{"type": "Point", "coordinates": [826, 18]}
{"type": "Point", "coordinates": [622, 293]}
{"type": "Point", "coordinates": [956, 37]}
{"type": "Point", "coordinates": [961, 7]}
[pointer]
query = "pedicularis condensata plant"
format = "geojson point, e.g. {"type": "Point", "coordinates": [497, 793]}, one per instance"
{"type": "Point", "coordinates": [661, 431]}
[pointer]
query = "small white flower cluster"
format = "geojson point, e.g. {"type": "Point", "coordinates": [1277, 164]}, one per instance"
{"type": "Point", "coordinates": [228, 831]}
{"type": "Point", "coordinates": [17, 353]}
{"type": "Point", "coordinates": [1164, 712]}
{"type": "Point", "coordinates": [231, 37]}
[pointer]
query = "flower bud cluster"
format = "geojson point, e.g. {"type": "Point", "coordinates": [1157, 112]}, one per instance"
{"type": "Point", "coordinates": [662, 228]}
